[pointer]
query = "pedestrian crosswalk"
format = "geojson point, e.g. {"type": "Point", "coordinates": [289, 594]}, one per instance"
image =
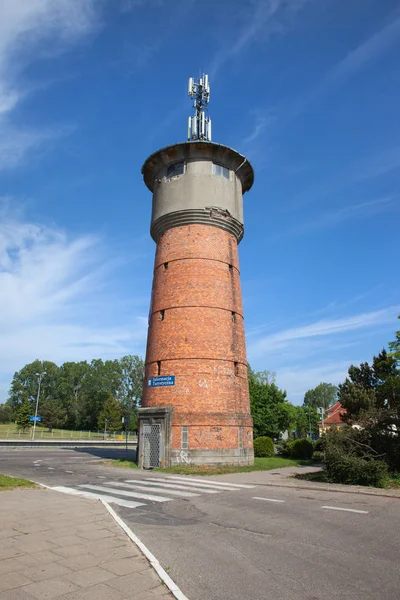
{"type": "Point", "coordinates": [132, 493]}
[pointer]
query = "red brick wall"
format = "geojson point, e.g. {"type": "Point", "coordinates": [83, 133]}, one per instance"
{"type": "Point", "coordinates": [196, 333]}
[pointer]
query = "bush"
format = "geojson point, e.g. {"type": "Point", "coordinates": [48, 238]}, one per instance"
{"type": "Point", "coordinates": [283, 448]}
{"type": "Point", "coordinates": [319, 444]}
{"type": "Point", "coordinates": [301, 448]}
{"type": "Point", "coordinates": [263, 447]}
{"type": "Point", "coordinates": [354, 470]}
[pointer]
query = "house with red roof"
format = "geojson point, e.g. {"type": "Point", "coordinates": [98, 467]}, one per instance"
{"type": "Point", "coordinates": [333, 418]}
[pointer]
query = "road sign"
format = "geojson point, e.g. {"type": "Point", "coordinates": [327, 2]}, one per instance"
{"type": "Point", "coordinates": [161, 381]}
{"type": "Point", "coordinates": [38, 419]}
{"type": "Point", "coordinates": [126, 420]}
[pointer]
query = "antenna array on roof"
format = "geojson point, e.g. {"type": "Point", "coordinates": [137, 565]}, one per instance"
{"type": "Point", "coordinates": [199, 126]}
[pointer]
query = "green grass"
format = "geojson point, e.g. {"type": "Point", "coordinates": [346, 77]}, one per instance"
{"type": "Point", "coordinates": [260, 464]}
{"type": "Point", "coordinates": [124, 464]}
{"type": "Point", "coordinates": [393, 482]}
{"type": "Point", "coordinates": [10, 431]}
{"type": "Point", "coordinates": [8, 483]}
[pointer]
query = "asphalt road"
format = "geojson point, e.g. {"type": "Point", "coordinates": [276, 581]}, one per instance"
{"type": "Point", "coordinates": [259, 543]}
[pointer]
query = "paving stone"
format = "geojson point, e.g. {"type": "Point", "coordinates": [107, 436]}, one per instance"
{"type": "Point", "coordinates": [135, 582]}
{"type": "Point", "coordinates": [8, 565]}
{"type": "Point", "coordinates": [76, 563]}
{"type": "Point", "coordinates": [43, 571]}
{"type": "Point", "coordinates": [9, 581]}
{"type": "Point", "coordinates": [90, 576]}
{"type": "Point", "coordinates": [100, 591]}
{"type": "Point", "coordinates": [15, 594]}
{"type": "Point", "coordinates": [71, 550]}
{"type": "Point", "coordinates": [125, 566]}
{"type": "Point", "coordinates": [46, 556]}
{"type": "Point", "coordinates": [51, 588]}
{"type": "Point", "coordinates": [96, 534]}
{"type": "Point", "coordinates": [69, 540]}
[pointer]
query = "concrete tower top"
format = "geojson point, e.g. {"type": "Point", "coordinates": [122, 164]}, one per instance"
{"type": "Point", "coordinates": [194, 151]}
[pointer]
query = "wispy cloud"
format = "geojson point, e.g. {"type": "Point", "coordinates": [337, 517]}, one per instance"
{"type": "Point", "coordinates": [26, 28]}
{"type": "Point", "coordinates": [263, 19]}
{"type": "Point", "coordinates": [55, 299]}
{"type": "Point", "coordinates": [322, 350]}
{"type": "Point", "coordinates": [322, 328]}
{"type": "Point", "coordinates": [261, 123]}
{"type": "Point", "coordinates": [357, 59]}
{"type": "Point", "coordinates": [331, 218]}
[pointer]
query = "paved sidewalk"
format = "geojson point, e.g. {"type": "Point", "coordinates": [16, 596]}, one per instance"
{"type": "Point", "coordinates": [58, 546]}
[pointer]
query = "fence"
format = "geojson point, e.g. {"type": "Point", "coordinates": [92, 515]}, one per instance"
{"type": "Point", "coordinates": [10, 432]}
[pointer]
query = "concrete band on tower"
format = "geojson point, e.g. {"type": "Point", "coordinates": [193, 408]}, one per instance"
{"type": "Point", "coordinates": [195, 405]}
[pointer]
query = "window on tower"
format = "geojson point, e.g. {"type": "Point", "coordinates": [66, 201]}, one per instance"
{"type": "Point", "coordinates": [175, 170]}
{"type": "Point", "coordinates": [220, 171]}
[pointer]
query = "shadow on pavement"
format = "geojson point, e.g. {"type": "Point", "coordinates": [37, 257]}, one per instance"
{"type": "Point", "coordinates": [111, 453]}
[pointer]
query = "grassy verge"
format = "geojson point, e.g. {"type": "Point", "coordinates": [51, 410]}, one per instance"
{"type": "Point", "coordinates": [124, 464]}
{"type": "Point", "coordinates": [392, 483]}
{"type": "Point", "coordinates": [260, 464]}
{"type": "Point", "coordinates": [8, 483]}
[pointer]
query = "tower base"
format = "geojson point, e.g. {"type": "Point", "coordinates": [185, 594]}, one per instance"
{"type": "Point", "coordinates": [239, 457]}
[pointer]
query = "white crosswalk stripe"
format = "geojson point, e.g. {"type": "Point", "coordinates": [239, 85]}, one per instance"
{"type": "Point", "coordinates": [151, 489]}
{"type": "Point", "coordinates": [210, 483]}
{"type": "Point", "coordinates": [102, 488]}
{"type": "Point", "coordinates": [106, 498]}
{"type": "Point", "coordinates": [134, 486]}
{"type": "Point", "coordinates": [173, 486]}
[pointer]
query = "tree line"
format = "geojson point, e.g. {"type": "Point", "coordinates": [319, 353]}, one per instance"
{"type": "Point", "coordinates": [77, 395]}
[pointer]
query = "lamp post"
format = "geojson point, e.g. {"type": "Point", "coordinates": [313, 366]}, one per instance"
{"type": "Point", "coordinates": [39, 376]}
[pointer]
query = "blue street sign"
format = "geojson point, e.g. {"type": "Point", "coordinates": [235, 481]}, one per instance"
{"type": "Point", "coordinates": [38, 419]}
{"type": "Point", "coordinates": [161, 381]}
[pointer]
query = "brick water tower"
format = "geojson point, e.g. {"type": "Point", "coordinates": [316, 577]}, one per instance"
{"type": "Point", "coordinates": [196, 406]}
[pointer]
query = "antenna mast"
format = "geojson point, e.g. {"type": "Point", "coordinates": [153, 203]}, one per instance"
{"type": "Point", "coordinates": [199, 126]}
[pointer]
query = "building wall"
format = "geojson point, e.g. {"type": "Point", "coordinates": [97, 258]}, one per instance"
{"type": "Point", "coordinates": [196, 333]}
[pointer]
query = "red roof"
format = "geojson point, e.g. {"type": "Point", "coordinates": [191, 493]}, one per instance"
{"type": "Point", "coordinates": [334, 414]}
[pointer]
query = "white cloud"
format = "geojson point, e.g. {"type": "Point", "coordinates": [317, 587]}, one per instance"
{"type": "Point", "coordinates": [55, 300]}
{"type": "Point", "coordinates": [270, 343]}
{"type": "Point", "coordinates": [26, 28]}
{"type": "Point", "coordinates": [323, 350]}
{"type": "Point", "coordinates": [297, 379]}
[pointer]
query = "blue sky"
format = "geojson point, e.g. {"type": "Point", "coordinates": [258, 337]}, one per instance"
{"type": "Point", "coordinates": [307, 89]}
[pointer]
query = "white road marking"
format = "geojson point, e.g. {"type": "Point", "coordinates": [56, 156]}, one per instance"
{"type": "Point", "coordinates": [361, 512]}
{"type": "Point", "coordinates": [172, 486]}
{"type": "Point", "coordinates": [102, 488]}
{"type": "Point", "coordinates": [101, 477]}
{"type": "Point", "coordinates": [83, 494]}
{"type": "Point", "coordinates": [210, 484]}
{"type": "Point", "coordinates": [69, 471]}
{"type": "Point", "coordinates": [267, 499]}
{"type": "Point", "coordinates": [50, 468]}
{"type": "Point", "coordinates": [145, 488]}
{"type": "Point", "coordinates": [171, 585]}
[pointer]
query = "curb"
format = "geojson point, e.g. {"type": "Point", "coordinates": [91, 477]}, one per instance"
{"type": "Point", "coordinates": [365, 492]}
{"type": "Point", "coordinates": [163, 575]}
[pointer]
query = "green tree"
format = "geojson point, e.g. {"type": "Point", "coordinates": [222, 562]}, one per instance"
{"type": "Point", "coordinates": [325, 395]}
{"type": "Point", "coordinates": [111, 413]}
{"type": "Point", "coordinates": [25, 383]}
{"type": "Point", "coordinates": [304, 419]}
{"type": "Point", "coordinates": [131, 386]}
{"type": "Point", "coordinates": [371, 396]}
{"type": "Point", "coordinates": [23, 414]}
{"type": "Point", "coordinates": [395, 346]}
{"type": "Point", "coordinates": [53, 414]}
{"type": "Point", "coordinates": [74, 389]}
{"type": "Point", "coordinates": [270, 409]}
{"type": "Point", "coordinates": [6, 413]}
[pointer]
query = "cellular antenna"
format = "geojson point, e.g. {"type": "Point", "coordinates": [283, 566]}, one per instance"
{"type": "Point", "coordinates": [199, 126]}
